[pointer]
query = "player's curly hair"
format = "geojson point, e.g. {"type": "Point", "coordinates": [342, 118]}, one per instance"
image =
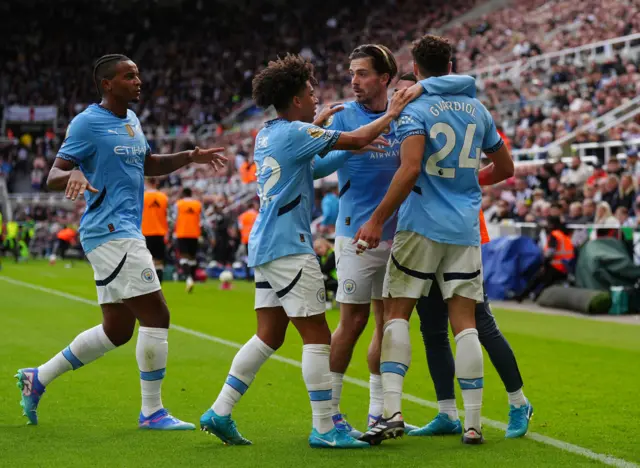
{"type": "Point", "coordinates": [432, 54]}
{"type": "Point", "coordinates": [381, 57]}
{"type": "Point", "coordinates": [283, 79]}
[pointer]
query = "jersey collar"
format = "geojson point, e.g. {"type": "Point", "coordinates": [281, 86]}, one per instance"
{"type": "Point", "coordinates": [366, 110]}
{"type": "Point", "coordinates": [268, 123]}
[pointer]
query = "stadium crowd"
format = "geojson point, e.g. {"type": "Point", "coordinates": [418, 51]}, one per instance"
{"type": "Point", "coordinates": [199, 72]}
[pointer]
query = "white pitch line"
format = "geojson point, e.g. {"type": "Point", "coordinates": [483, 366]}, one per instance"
{"type": "Point", "coordinates": [566, 446]}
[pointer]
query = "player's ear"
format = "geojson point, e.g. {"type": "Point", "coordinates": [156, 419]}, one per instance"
{"type": "Point", "coordinates": [297, 102]}
{"type": "Point", "coordinates": [104, 83]}
{"type": "Point", "coordinates": [386, 79]}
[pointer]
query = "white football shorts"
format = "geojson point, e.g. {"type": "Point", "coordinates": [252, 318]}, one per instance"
{"type": "Point", "coordinates": [360, 277]}
{"type": "Point", "coordinates": [294, 282]}
{"type": "Point", "coordinates": [416, 262]}
{"type": "Point", "coordinates": [122, 269]}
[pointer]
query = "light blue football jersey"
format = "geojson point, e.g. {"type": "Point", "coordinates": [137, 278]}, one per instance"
{"type": "Point", "coordinates": [110, 152]}
{"type": "Point", "coordinates": [364, 178]}
{"type": "Point", "coordinates": [284, 153]}
{"type": "Point", "coordinates": [445, 202]}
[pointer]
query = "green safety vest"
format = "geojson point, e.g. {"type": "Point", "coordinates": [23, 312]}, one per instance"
{"type": "Point", "coordinates": [12, 230]}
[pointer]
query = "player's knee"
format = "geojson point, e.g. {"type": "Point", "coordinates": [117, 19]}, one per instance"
{"type": "Point", "coordinates": [120, 336]}
{"type": "Point", "coordinates": [357, 322]}
{"type": "Point", "coordinates": [486, 326]}
{"type": "Point", "coordinates": [273, 341]}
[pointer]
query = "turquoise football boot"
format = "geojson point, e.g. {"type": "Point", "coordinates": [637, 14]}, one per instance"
{"type": "Point", "coordinates": [223, 427]}
{"type": "Point", "coordinates": [440, 425]}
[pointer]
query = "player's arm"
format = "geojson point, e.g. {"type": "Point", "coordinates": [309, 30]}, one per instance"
{"type": "Point", "coordinates": [411, 153]}
{"type": "Point", "coordinates": [334, 160]}
{"type": "Point", "coordinates": [76, 148]}
{"type": "Point", "coordinates": [363, 136]}
{"type": "Point", "coordinates": [163, 164]}
{"type": "Point", "coordinates": [502, 166]}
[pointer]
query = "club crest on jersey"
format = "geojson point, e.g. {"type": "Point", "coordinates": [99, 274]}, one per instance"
{"type": "Point", "coordinates": [130, 130]}
{"type": "Point", "coordinates": [386, 130]}
{"type": "Point", "coordinates": [147, 275]}
{"type": "Point", "coordinates": [315, 132]}
{"type": "Point", "coordinates": [321, 295]}
{"type": "Point", "coordinates": [349, 286]}
{"type": "Point", "coordinates": [328, 122]}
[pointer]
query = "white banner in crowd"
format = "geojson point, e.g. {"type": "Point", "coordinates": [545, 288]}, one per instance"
{"type": "Point", "coordinates": [636, 248]}
{"type": "Point", "coordinates": [31, 113]}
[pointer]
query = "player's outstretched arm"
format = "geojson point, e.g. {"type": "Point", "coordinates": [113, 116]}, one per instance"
{"type": "Point", "coordinates": [363, 136]}
{"type": "Point", "coordinates": [501, 167]}
{"type": "Point", "coordinates": [411, 153]}
{"type": "Point", "coordinates": [65, 176]}
{"type": "Point", "coordinates": [163, 164]}
{"type": "Point", "coordinates": [334, 160]}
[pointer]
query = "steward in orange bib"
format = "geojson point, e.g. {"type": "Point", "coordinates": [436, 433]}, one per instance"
{"type": "Point", "coordinates": [155, 226]}
{"type": "Point", "coordinates": [559, 255]}
{"type": "Point", "coordinates": [188, 229]}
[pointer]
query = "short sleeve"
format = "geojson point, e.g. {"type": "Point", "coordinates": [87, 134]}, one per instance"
{"type": "Point", "coordinates": [492, 140]}
{"type": "Point", "coordinates": [408, 124]}
{"type": "Point", "coordinates": [307, 140]}
{"type": "Point", "coordinates": [78, 142]}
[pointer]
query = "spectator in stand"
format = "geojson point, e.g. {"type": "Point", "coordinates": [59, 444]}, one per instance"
{"type": "Point", "coordinates": [598, 173]}
{"type": "Point", "coordinates": [588, 211]}
{"type": "Point", "coordinates": [636, 213]}
{"type": "Point", "coordinates": [632, 166]}
{"type": "Point", "coordinates": [575, 213]}
{"type": "Point", "coordinates": [626, 194]}
{"type": "Point", "coordinates": [522, 210]}
{"type": "Point", "coordinates": [622, 215]}
{"type": "Point", "coordinates": [522, 191]}
{"type": "Point", "coordinates": [613, 166]}
{"type": "Point", "coordinates": [502, 212]}
{"type": "Point", "coordinates": [609, 193]}
{"type": "Point", "coordinates": [578, 173]}
{"type": "Point", "coordinates": [552, 189]}
{"type": "Point", "coordinates": [604, 215]}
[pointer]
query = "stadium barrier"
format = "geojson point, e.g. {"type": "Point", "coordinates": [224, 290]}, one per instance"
{"type": "Point", "coordinates": [560, 146]}
{"type": "Point", "coordinates": [611, 148]}
{"type": "Point", "coordinates": [596, 51]}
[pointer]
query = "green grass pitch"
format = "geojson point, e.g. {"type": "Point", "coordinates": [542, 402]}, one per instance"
{"type": "Point", "coordinates": [581, 376]}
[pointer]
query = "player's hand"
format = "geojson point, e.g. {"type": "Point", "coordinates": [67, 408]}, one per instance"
{"type": "Point", "coordinates": [327, 112]}
{"type": "Point", "coordinates": [368, 236]}
{"type": "Point", "coordinates": [374, 147]}
{"type": "Point", "coordinates": [209, 156]}
{"type": "Point", "coordinates": [77, 185]}
{"type": "Point", "coordinates": [398, 102]}
{"type": "Point", "coordinates": [414, 91]}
